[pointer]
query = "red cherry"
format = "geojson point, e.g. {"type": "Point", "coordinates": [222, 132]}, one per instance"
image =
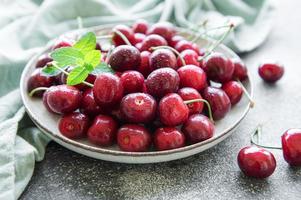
{"type": "Point", "coordinates": [132, 81]}
{"type": "Point", "coordinates": [190, 94]}
{"type": "Point", "coordinates": [124, 58]}
{"type": "Point", "coordinates": [174, 40]}
{"type": "Point", "coordinates": [88, 105]}
{"type": "Point", "coordinates": [240, 70]}
{"type": "Point", "coordinates": [271, 72]}
{"type": "Point", "coordinates": [189, 56]}
{"type": "Point", "coordinates": [98, 47]}
{"type": "Point", "coordinates": [138, 37]}
{"type": "Point", "coordinates": [135, 138]}
{"type": "Point", "coordinates": [108, 89]}
{"type": "Point", "coordinates": [218, 100]}
{"type": "Point", "coordinates": [152, 40]}
{"type": "Point", "coordinates": [140, 26]}
{"type": "Point", "coordinates": [74, 125]}
{"type": "Point", "coordinates": [138, 108]}
{"type": "Point", "coordinates": [291, 146]}
{"type": "Point", "coordinates": [162, 81]}
{"type": "Point", "coordinates": [62, 42]}
{"type": "Point", "coordinates": [126, 31]}
{"type": "Point", "coordinates": [45, 103]}
{"type": "Point", "coordinates": [163, 58]}
{"type": "Point", "coordinates": [144, 66]}
{"type": "Point", "coordinates": [184, 44]}
{"type": "Point", "coordinates": [234, 91]}
{"type": "Point", "coordinates": [43, 60]}
{"type": "Point", "coordinates": [172, 110]}
{"type": "Point", "coordinates": [256, 162]}
{"type": "Point", "coordinates": [219, 68]}
{"type": "Point", "coordinates": [192, 76]}
{"type": "Point", "coordinates": [168, 138]}
{"type": "Point", "coordinates": [198, 128]}
{"type": "Point", "coordinates": [63, 98]}
{"type": "Point", "coordinates": [103, 131]}
{"type": "Point", "coordinates": [165, 29]}
{"type": "Point", "coordinates": [38, 79]}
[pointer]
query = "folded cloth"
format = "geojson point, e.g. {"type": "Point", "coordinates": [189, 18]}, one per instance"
{"type": "Point", "coordinates": [27, 25]}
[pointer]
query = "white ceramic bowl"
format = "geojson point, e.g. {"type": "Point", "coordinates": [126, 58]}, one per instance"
{"type": "Point", "coordinates": [48, 122]}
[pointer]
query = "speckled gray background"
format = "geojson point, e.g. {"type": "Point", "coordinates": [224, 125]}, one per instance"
{"type": "Point", "coordinates": [213, 174]}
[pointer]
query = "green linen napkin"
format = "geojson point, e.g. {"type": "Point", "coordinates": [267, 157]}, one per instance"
{"type": "Point", "coordinates": [27, 25]}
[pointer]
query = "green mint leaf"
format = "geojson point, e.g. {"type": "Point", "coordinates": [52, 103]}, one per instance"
{"type": "Point", "coordinates": [67, 56]}
{"type": "Point", "coordinates": [102, 68]}
{"type": "Point", "coordinates": [88, 67]}
{"type": "Point", "coordinates": [86, 43]}
{"type": "Point", "coordinates": [93, 57]}
{"type": "Point", "coordinates": [49, 70]}
{"type": "Point", "coordinates": [77, 76]}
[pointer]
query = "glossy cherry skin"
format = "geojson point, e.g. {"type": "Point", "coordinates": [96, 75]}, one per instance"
{"type": "Point", "coordinates": [234, 91]}
{"type": "Point", "coordinates": [198, 128]}
{"type": "Point", "coordinates": [163, 58]}
{"type": "Point", "coordinates": [124, 58]}
{"type": "Point", "coordinates": [256, 162]}
{"type": "Point", "coordinates": [189, 56]}
{"type": "Point", "coordinates": [138, 108]}
{"type": "Point", "coordinates": [192, 76]}
{"type": "Point", "coordinates": [38, 79]}
{"type": "Point", "coordinates": [138, 37]}
{"type": "Point", "coordinates": [240, 70]}
{"type": "Point", "coordinates": [62, 42]}
{"type": "Point", "coordinates": [219, 68]}
{"type": "Point", "coordinates": [167, 138]}
{"type": "Point", "coordinates": [184, 44]}
{"type": "Point", "coordinates": [165, 29]}
{"type": "Point", "coordinates": [174, 40]}
{"type": "Point", "coordinates": [172, 110]}
{"type": "Point", "coordinates": [126, 31]}
{"type": "Point", "coordinates": [218, 100]}
{"type": "Point", "coordinates": [132, 81]}
{"type": "Point", "coordinates": [74, 125]}
{"type": "Point", "coordinates": [43, 60]}
{"type": "Point", "coordinates": [152, 40]}
{"type": "Point", "coordinates": [188, 93]}
{"type": "Point", "coordinates": [140, 26]}
{"type": "Point", "coordinates": [162, 81]}
{"type": "Point", "coordinates": [291, 146]}
{"type": "Point", "coordinates": [271, 72]}
{"type": "Point", "coordinates": [103, 130]}
{"type": "Point", "coordinates": [144, 67]}
{"type": "Point", "coordinates": [134, 138]}
{"type": "Point", "coordinates": [88, 105]}
{"type": "Point", "coordinates": [107, 90]}
{"type": "Point", "coordinates": [45, 103]}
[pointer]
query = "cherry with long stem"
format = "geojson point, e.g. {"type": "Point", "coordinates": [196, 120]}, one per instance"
{"type": "Point", "coordinates": [173, 50]}
{"type": "Point", "coordinates": [32, 92]}
{"type": "Point", "coordinates": [257, 133]}
{"type": "Point", "coordinates": [204, 101]}
{"type": "Point", "coordinates": [252, 103]}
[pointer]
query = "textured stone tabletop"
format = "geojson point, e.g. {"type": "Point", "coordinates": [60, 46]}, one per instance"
{"type": "Point", "coordinates": [213, 174]}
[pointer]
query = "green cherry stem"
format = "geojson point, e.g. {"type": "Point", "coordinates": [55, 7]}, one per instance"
{"type": "Point", "coordinates": [37, 90]}
{"type": "Point", "coordinates": [204, 101]}
{"type": "Point", "coordinates": [256, 134]}
{"type": "Point", "coordinates": [252, 102]}
{"type": "Point", "coordinates": [100, 37]}
{"type": "Point", "coordinates": [120, 34]}
{"type": "Point", "coordinates": [172, 49]}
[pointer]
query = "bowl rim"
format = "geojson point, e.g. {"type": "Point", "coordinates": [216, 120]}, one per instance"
{"type": "Point", "coordinates": [118, 152]}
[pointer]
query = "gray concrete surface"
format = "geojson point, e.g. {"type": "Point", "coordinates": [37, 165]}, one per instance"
{"type": "Point", "coordinates": [213, 174]}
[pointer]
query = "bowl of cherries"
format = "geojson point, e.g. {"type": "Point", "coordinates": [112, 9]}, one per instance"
{"type": "Point", "coordinates": [144, 93]}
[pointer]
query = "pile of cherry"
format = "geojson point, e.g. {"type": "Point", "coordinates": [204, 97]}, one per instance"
{"type": "Point", "coordinates": [159, 96]}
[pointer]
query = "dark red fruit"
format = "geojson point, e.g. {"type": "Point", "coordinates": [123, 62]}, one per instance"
{"type": "Point", "coordinates": [144, 67]}
{"type": "Point", "coordinates": [62, 42]}
{"type": "Point", "coordinates": [189, 56]}
{"type": "Point", "coordinates": [140, 26]}
{"type": "Point", "coordinates": [132, 81]}
{"type": "Point", "coordinates": [43, 60]}
{"type": "Point", "coordinates": [45, 103]}
{"type": "Point", "coordinates": [174, 40]}
{"type": "Point", "coordinates": [165, 29]}
{"type": "Point", "coordinates": [184, 44]}
{"type": "Point", "coordinates": [107, 90]}
{"type": "Point", "coordinates": [271, 72]}
{"type": "Point", "coordinates": [172, 110]}
{"type": "Point", "coordinates": [198, 128]}
{"type": "Point", "coordinates": [256, 162]}
{"type": "Point", "coordinates": [98, 47]}
{"type": "Point", "coordinates": [74, 125]}
{"type": "Point", "coordinates": [133, 138]}
{"type": "Point", "coordinates": [103, 130]}
{"type": "Point", "coordinates": [138, 108]}
{"type": "Point", "coordinates": [168, 138]}
{"type": "Point", "coordinates": [240, 70]}
{"type": "Point", "coordinates": [126, 31]}
{"type": "Point", "coordinates": [188, 93]}
{"type": "Point", "coordinates": [219, 68]}
{"type": "Point", "coordinates": [162, 81]}
{"type": "Point", "coordinates": [38, 79]}
{"type": "Point", "coordinates": [138, 37]}
{"type": "Point", "coordinates": [218, 100]}
{"type": "Point", "coordinates": [152, 40]}
{"type": "Point", "coordinates": [163, 58]}
{"type": "Point", "coordinates": [234, 91]}
{"type": "Point", "coordinates": [124, 58]}
{"type": "Point", "coordinates": [291, 146]}
{"type": "Point", "coordinates": [88, 105]}
{"type": "Point", "coordinates": [192, 76]}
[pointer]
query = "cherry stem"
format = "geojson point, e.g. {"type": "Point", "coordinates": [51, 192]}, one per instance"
{"type": "Point", "coordinates": [204, 101]}
{"type": "Point", "coordinates": [109, 53]}
{"type": "Point", "coordinates": [120, 34]}
{"type": "Point", "coordinates": [63, 71]}
{"type": "Point", "coordinates": [257, 133]}
{"type": "Point", "coordinates": [252, 103]}
{"type": "Point", "coordinates": [173, 50]}
{"type": "Point", "coordinates": [217, 43]}
{"type": "Point", "coordinates": [37, 90]}
{"type": "Point", "coordinates": [100, 37]}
